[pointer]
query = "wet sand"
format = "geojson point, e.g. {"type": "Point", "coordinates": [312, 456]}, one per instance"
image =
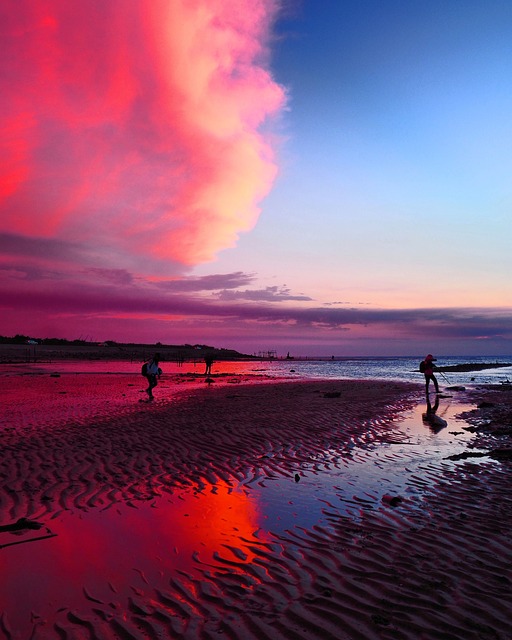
{"type": "Point", "coordinates": [232, 510]}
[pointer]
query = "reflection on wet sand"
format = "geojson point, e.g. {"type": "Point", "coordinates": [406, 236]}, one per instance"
{"type": "Point", "coordinates": [430, 416]}
{"type": "Point", "coordinates": [108, 555]}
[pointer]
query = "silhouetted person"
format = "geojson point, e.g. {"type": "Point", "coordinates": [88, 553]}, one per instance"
{"type": "Point", "coordinates": [153, 372]}
{"type": "Point", "coordinates": [427, 367]}
{"type": "Point", "coordinates": [208, 359]}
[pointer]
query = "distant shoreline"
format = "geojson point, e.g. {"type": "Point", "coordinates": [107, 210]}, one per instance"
{"type": "Point", "coordinates": [48, 353]}
{"type": "Point", "coordinates": [25, 353]}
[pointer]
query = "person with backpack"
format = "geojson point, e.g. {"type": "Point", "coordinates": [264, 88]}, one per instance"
{"type": "Point", "coordinates": [151, 370]}
{"type": "Point", "coordinates": [427, 367]}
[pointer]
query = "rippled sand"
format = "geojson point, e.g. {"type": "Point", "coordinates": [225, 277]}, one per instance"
{"type": "Point", "coordinates": [229, 511]}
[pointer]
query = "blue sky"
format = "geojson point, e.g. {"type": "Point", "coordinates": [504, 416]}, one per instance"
{"type": "Point", "coordinates": [394, 188]}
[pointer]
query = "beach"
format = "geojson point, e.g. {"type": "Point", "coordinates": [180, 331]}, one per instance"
{"type": "Point", "coordinates": [252, 508]}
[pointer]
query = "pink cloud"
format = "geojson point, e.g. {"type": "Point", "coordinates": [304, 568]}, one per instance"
{"type": "Point", "coordinates": [136, 125]}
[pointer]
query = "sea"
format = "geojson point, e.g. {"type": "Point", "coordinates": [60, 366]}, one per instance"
{"type": "Point", "coordinates": [404, 368]}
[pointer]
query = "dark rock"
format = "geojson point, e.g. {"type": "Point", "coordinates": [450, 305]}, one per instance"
{"type": "Point", "coordinates": [21, 524]}
{"type": "Point", "coordinates": [392, 501]}
{"type": "Point", "coordinates": [501, 454]}
{"type": "Point", "coordinates": [467, 454]}
{"type": "Point", "coordinates": [380, 620]}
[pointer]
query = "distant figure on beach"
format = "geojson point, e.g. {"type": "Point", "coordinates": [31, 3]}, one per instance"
{"type": "Point", "coordinates": [152, 372]}
{"type": "Point", "coordinates": [427, 367]}
{"type": "Point", "coordinates": [208, 360]}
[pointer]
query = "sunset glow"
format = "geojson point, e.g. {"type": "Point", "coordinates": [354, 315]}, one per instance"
{"type": "Point", "coordinates": [126, 127]}
{"type": "Point", "coordinates": [256, 175]}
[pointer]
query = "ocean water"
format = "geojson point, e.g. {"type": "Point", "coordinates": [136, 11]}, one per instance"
{"type": "Point", "coordinates": [401, 368]}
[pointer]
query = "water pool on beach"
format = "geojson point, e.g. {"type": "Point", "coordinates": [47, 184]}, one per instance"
{"type": "Point", "coordinates": [346, 484]}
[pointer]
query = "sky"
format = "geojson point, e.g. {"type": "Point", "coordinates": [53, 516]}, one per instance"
{"type": "Point", "coordinates": [314, 177]}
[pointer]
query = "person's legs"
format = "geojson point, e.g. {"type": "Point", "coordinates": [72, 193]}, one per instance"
{"type": "Point", "coordinates": [152, 384]}
{"type": "Point", "coordinates": [428, 378]}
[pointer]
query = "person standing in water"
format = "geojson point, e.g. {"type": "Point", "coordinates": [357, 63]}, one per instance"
{"type": "Point", "coordinates": [427, 368]}
{"type": "Point", "coordinates": [152, 372]}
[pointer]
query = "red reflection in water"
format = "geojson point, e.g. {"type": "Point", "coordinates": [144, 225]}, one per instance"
{"type": "Point", "coordinates": [195, 367]}
{"type": "Point", "coordinates": [107, 555]}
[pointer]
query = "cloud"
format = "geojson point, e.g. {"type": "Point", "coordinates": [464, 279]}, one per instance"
{"type": "Point", "coordinates": [72, 255]}
{"type": "Point", "coordinates": [48, 249]}
{"type": "Point", "coordinates": [136, 126]}
{"type": "Point", "coordinates": [119, 277]}
{"type": "Point", "coordinates": [96, 293]}
{"type": "Point", "coordinates": [344, 302]}
{"type": "Point", "coordinates": [206, 283]}
{"type": "Point", "coordinates": [269, 294]}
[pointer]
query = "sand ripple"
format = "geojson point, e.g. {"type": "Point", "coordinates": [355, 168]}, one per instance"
{"type": "Point", "coordinates": [438, 568]}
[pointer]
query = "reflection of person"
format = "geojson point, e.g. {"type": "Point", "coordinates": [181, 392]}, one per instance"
{"type": "Point", "coordinates": [428, 370]}
{"type": "Point", "coordinates": [208, 359]}
{"type": "Point", "coordinates": [152, 371]}
{"type": "Point", "coordinates": [434, 421]}
{"type": "Point", "coordinates": [431, 410]}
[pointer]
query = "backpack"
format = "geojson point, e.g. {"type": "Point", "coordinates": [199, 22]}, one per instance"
{"type": "Point", "coordinates": [423, 366]}
{"type": "Point", "coordinates": [144, 370]}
